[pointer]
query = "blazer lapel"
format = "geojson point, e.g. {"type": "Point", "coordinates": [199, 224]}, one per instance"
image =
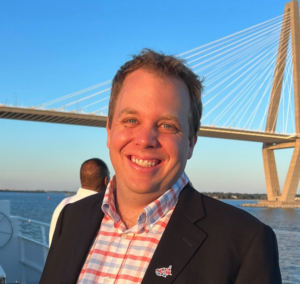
{"type": "Point", "coordinates": [180, 240]}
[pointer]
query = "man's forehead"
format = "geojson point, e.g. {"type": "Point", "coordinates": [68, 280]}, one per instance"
{"type": "Point", "coordinates": [141, 89]}
{"type": "Point", "coordinates": [134, 77]}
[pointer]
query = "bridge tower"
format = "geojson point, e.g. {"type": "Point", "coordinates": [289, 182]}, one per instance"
{"type": "Point", "coordinates": [289, 30]}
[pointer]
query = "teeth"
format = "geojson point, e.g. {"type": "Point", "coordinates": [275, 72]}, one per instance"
{"type": "Point", "coordinates": [143, 163]}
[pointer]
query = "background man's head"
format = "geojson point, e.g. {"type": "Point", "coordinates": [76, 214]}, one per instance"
{"type": "Point", "coordinates": [161, 65]}
{"type": "Point", "coordinates": [94, 175]}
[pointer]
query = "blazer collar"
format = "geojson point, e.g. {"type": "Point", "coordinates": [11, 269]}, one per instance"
{"type": "Point", "coordinates": [191, 204]}
{"type": "Point", "coordinates": [181, 239]}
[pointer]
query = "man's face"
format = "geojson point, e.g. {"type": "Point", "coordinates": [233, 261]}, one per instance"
{"type": "Point", "coordinates": [149, 137]}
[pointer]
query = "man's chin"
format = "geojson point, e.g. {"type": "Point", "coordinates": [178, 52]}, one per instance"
{"type": "Point", "coordinates": [147, 188]}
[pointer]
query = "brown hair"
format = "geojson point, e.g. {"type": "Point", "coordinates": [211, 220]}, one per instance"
{"type": "Point", "coordinates": [163, 65]}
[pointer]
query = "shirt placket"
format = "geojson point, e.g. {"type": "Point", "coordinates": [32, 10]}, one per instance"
{"type": "Point", "coordinates": [119, 247]}
{"type": "Point", "coordinates": [125, 240]}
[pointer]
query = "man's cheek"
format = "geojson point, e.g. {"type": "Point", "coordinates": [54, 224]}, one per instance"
{"type": "Point", "coordinates": [125, 136]}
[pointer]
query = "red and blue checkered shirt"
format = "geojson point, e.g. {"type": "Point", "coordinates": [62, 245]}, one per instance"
{"type": "Point", "coordinates": [121, 255]}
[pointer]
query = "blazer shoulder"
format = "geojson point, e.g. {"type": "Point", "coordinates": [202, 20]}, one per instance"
{"type": "Point", "coordinates": [91, 200]}
{"type": "Point", "coordinates": [83, 208]}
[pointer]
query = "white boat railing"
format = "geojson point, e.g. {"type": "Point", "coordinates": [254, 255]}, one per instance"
{"type": "Point", "coordinates": [23, 246]}
{"type": "Point", "coordinates": [36, 232]}
{"type": "Point", "coordinates": [42, 237]}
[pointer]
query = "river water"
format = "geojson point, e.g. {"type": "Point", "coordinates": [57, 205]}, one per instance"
{"type": "Point", "coordinates": [285, 223]}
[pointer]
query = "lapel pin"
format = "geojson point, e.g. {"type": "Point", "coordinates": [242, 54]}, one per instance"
{"type": "Point", "coordinates": [164, 272]}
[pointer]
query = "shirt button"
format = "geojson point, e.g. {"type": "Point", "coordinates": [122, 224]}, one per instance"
{"type": "Point", "coordinates": [106, 279]}
{"type": "Point", "coordinates": [124, 236]}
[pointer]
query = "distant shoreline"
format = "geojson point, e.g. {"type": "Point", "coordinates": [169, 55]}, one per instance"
{"type": "Point", "coordinates": [238, 196]}
{"type": "Point", "coordinates": [36, 191]}
{"type": "Point", "coordinates": [216, 195]}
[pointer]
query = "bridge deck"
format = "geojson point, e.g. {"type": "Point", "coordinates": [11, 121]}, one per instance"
{"type": "Point", "coordinates": [31, 114]}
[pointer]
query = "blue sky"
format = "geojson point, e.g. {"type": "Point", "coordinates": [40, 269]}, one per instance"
{"type": "Point", "coordinates": [53, 48]}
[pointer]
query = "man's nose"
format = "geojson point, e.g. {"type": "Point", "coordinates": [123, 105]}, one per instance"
{"type": "Point", "coordinates": [147, 136]}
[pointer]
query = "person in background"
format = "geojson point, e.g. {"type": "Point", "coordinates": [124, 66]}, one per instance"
{"type": "Point", "coordinates": [94, 177]}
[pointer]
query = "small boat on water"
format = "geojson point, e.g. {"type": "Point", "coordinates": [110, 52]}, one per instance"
{"type": "Point", "coordinates": [23, 247]}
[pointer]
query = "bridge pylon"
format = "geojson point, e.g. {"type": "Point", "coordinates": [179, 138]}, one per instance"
{"type": "Point", "coordinates": [289, 31]}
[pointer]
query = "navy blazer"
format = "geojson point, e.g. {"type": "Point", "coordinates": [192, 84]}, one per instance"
{"type": "Point", "coordinates": [206, 241]}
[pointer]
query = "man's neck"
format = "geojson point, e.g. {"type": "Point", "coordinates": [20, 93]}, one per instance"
{"type": "Point", "coordinates": [128, 215]}
{"type": "Point", "coordinates": [130, 205]}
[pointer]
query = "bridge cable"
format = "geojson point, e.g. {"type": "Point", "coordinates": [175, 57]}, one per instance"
{"type": "Point", "coordinates": [259, 34]}
{"type": "Point", "coordinates": [75, 94]}
{"type": "Point", "coordinates": [194, 49]}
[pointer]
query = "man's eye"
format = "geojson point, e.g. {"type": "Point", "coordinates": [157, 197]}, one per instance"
{"type": "Point", "coordinates": [168, 128]}
{"type": "Point", "coordinates": [130, 120]}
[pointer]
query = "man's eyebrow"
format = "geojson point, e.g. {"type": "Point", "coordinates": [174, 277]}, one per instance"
{"type": "Point", "coordinates": [163, 117]}
{"type": "Point", "coordinates": [170, 117]}
{"type": "Point", "coordinates": [127, 111]}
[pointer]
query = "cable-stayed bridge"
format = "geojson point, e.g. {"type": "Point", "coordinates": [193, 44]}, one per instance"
{"type": "Point", "coordinates": [251, 93]}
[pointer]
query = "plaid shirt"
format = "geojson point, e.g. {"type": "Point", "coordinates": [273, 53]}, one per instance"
{"type": "Point", "coordinates": [121, 255]}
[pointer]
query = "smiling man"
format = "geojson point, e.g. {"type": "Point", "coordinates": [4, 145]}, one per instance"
{"type": "Point", "coordinates": [148, 139]}
{"type": "Point", "coordinates": [151, 225]}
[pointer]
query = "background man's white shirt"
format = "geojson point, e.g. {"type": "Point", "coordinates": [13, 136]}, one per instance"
{"type": "Point", "coordinates": [81, 193]}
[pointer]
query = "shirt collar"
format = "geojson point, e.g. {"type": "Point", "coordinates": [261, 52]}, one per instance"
{"type": "Point", "coordinates": [85, 192]}
{"type": "Point", "coordinates": [152, 212]}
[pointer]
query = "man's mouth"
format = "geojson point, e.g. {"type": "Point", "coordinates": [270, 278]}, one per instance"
{"type": "Point", "coordinates": [144, 163]}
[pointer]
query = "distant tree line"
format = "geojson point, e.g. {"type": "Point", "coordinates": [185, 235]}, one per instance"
{"type": "Point", "coordinates": [36, 191]}
{"type": "Point", "coordinates": [22, 191]}
{"type": "Point", "coordinates": [232, 195]}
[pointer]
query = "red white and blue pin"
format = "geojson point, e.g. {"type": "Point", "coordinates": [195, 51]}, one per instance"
{"type": "Point", "coordinates": [164, 272]}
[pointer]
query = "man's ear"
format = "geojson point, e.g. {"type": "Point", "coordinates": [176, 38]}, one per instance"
{"type": "Point", "coordinates": [193, 141]}
{"type": "Point", "coordinates": [108, 134]}
{"type": "Point", "coordinates": [106, 181]}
